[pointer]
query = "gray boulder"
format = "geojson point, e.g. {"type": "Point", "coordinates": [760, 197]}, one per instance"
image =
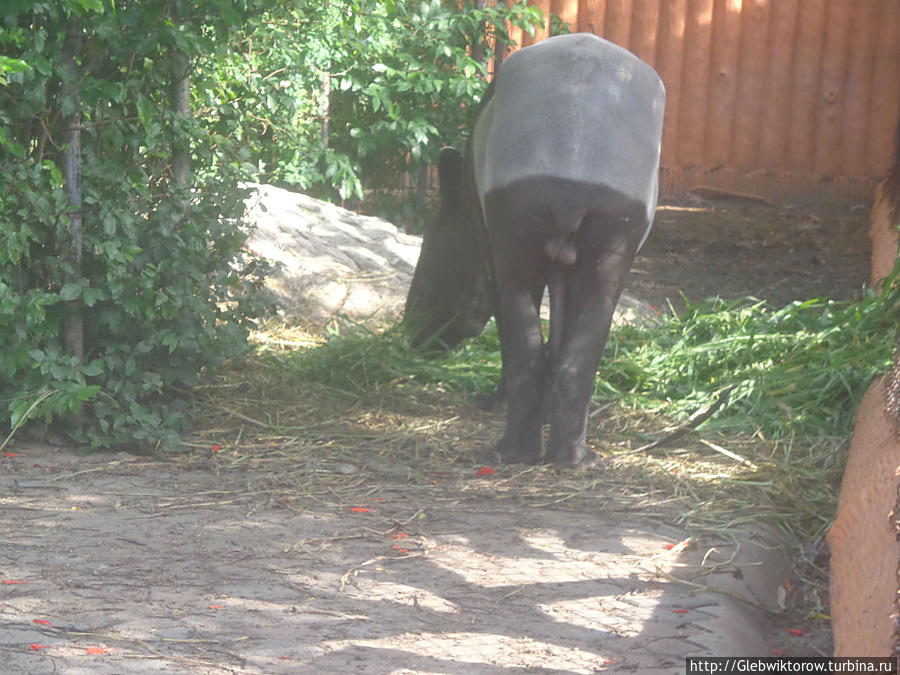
{"type": "Point", "coordinates": [334, 262]}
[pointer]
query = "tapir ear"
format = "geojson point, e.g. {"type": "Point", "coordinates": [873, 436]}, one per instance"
{"type": "Point", "coordinates": [450, 172]}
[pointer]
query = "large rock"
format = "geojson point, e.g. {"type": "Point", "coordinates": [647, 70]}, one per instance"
{"type": "Point", "coordinates": [333, 261]}
{"type": "Point", "coordinates": [336, 262]}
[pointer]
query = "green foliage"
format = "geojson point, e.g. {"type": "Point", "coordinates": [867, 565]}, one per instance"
{"type": "Point", "coordinates": [796, 370]}
{"type": "Point", "coordinates": [799, 370]}
{"type": "Point", "coordinates": [339, 98]}
{"type": "Point", "coordinates": [344, 97]}
{"type": "Point", "coordinates": [165, 290]}
{"type": "Point", "coordinates": [355, 359]}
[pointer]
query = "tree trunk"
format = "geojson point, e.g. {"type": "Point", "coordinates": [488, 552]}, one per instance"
{"type": "Point", "coordinates": [73, 328]}
{"type": "Point", "coordinates": [865, 538]}
{"type": "Point", "coordinates": [181, 104]}
{"type": "Point", "coordinates": [500, 46]}
{"type": "Point", "coordinates": [479, 38]}
{"type": "Point", "coordinates": [325, 103]}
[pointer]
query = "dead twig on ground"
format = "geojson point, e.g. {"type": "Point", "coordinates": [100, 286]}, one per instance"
{"type": "Point", "coordinates": [692, 422]}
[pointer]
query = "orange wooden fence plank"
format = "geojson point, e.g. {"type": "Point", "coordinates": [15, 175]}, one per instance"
{"type": "Point", "coordinates": [670, 64]}
{"type": "Point", "coordinates": [747, 127]}
{"type": "Point", "coordinates": [805, 75]}
{"type": "Point", "coordinates": [592, 16]}
{"type": "Point", "coordinates": [885, 102]}
{"type": "Point", "coordinates": [777, 110]}
{"type": "Point", "coordinates": [567, 10]}
{"type": "Point", "coordinates": [832, 101]}
{"type": "Point", "coordinates": [858, 90]}
{"type": "Point", "coordinates": [644, 30]}
{"type": "Point", "coordinates": [723, 71]}
{"type": "Point", "coordinates": [695, 82]}
{"type": "Point", "coordinates": [618, 22]}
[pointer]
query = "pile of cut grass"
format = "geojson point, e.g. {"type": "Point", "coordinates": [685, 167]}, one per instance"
{"type": "Point", "coordinates": [798, 370]}
{"type": "Point", "coordinates": [355, 359]}
{"type": "Point", "coordinates": [794, 371]}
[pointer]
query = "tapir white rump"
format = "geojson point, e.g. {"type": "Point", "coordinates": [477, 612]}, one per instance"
{"type": "Point", "coordinates": [574, 107]}
{"type": "Point", "coordinates": [557, 189]}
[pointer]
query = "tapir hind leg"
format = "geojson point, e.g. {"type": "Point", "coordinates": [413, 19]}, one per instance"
{"type": "Point", "coordinates": [592, 286]}
{"type": "Point", "coordinates": [523, 374]}
{"type": "Point", "coordinates": [520, 275]}
{"type": "Point", "coordinates": [498, 397]}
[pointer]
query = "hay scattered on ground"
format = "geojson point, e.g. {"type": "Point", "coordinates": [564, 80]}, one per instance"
{"type": "Point", "coordinates": [302, 439]}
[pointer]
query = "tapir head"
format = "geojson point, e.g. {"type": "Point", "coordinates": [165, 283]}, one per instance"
{"type": "Point", "coordinates": [450, 297]}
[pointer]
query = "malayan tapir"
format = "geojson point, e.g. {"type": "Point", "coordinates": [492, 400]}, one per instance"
{"type": "Point", "coordinates": [557, 190]}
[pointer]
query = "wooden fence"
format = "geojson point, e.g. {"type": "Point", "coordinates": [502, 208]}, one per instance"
{"type": "Point", "coordinates": [793, 100]}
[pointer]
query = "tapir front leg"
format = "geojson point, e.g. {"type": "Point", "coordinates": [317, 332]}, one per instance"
{"type": "Point", "coordinates": [606, 250]}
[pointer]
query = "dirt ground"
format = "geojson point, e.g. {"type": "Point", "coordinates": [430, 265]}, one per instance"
{"type": "Point", "coordinates": [318, 553]}
{"type": "Point", "coordinates": [734, 249]}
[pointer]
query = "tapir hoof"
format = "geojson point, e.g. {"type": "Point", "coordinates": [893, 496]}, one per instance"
{"type": "Point", "coordinates": [509, 453]}
{"type": "Point", "coordinates": [581, 458]}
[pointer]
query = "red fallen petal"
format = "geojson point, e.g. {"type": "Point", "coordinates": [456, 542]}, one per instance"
{"type": "Point", "coordinates": [399, 535]}
{"type": "Point", "coordinates": [34, 646]}
{"type": "Point", "coordinates": [796, 631]}
{"type": "Point", "coordinates": [485, 471]}
{"type": "Point", "coordinates": [680, 611]}
{"type": "Point", "coordinates": [97, 650]}
{"type": "Point", "coordinates": [216, 447]}
{"type": "Point", "coordinates": [10, 454]}
{"type": "Point", "coordinates": [43, 622]}
{"type": "Point", "coordinates": [400, 549]}
{"type": "Point", "coordinates": [360, 509]}
{"type": "Point", "coordinates": [215, 606]}
{"type": "Point", "coordinates": [10, 582]}
{"type": "Point", "coordinates": [669, 547]}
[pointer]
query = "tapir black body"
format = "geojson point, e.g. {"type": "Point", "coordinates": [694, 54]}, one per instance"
{"type": "Point", "coordinates": [557, 190]}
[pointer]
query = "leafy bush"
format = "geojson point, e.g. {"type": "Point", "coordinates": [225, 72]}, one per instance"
{"type": "Point", "coordinates": [338, 97]}
{"type": "Point", "coordinates": [164, 288]}
{"type": "Point", "coordinates": [344, 97]}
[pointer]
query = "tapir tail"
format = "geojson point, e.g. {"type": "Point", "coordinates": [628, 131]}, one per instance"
{"type": "Point", "coordinates": [561, 248]}
{"type": "Point", "coordinates": [562, 253]}
{"type": "Point", "coordinates": [557, 311]}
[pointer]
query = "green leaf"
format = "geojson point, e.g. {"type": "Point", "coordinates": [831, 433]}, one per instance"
{"type": "Point", "coordinates": [91, 5]}
{"type": "Point", "coordinates": [94, 368]}
{"type": "Point", "coordinates": [11, 65]}
{"type": "Point", "coordinates": [70, 291]}
{"type": "Point", "coordinates": [16, 149]}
